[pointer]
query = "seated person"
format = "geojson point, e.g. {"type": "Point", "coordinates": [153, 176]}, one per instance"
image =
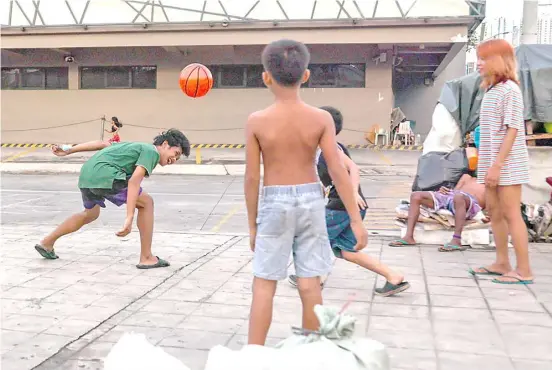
{"type": "Point", "coordinates": [465, 201]}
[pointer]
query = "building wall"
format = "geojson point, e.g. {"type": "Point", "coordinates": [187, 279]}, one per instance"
{"type": "Point", "coordinates": [218, 117]}
{"type": "Point", "coordinates": [418, 101]}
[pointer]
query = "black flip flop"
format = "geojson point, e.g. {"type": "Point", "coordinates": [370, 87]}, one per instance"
{"type": "Point", "coordinates": [160, 263]}
{"type": "Point", "coordinates": [49, 255]}
{"type": "Point", "coordinates": [392, 289]}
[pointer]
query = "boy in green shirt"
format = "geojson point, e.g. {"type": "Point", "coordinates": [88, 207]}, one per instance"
{"type": "Point", "coordinates": [115, 173]}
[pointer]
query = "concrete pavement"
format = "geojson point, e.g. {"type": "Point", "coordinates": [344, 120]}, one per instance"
{"type": "Point", "coordinates": [68, 313]}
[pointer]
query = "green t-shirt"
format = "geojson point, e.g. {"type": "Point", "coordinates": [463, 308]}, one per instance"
{"type": "Point", "coordinates": [117, 162]}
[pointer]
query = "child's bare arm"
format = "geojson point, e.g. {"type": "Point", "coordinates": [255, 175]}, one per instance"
{"type": "Point", "coordinates": [132, 196]}
{"type": "Point", "coordinates": [337, 170]}
{"type": "Point", "coordinates": [354, 174]}
{"type": "Point", "coordinates": [252, 177]}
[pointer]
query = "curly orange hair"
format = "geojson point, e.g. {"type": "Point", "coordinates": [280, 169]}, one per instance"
{"type": "Point", "coordinates": [500, 62]}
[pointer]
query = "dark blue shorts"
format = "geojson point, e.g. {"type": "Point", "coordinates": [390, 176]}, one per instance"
{"type": "Point", "coordinates": [96, 197]}
{"type": "Point", "coordinates": [340, 232]}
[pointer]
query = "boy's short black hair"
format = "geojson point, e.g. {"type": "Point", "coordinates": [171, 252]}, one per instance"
{"type": "Point", "coordinates": [286, 61]}
{"type": "Point", "coordinates": [337, 118]}
{"type": "Point", "coordinates": [174, 137]}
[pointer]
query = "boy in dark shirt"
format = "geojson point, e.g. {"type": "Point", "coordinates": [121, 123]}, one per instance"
{"type": "Point", "coordinates": [338, 222]}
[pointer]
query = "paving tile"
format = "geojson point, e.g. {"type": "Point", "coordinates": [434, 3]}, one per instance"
{"type": "Point", "coordinates": [399, 323]}
{"type": "Point", "coordinates": [406, 298]}
{"type": "Point", "coordinates": [28, 323]}
{"type": "Point", "coordinates": [403, 339]}
{"type": "Point", "coordinates": [81, 365]}
{"type": "Point", "coordinates": [520, 305]}
{"type": "Point", "coordinates": [528, 342]}
{"type": "Point", "coordinates": [399, 310]}
{"type": "Point", "coordinates": [213, 324]}
{"type": "Point", "coordinates": [461, 314]}
{"type": "Point", "coordinates": [412, 359]}
{"type": "Point", "coordinates": [154, 319]}
{"type": "Point", "coordinates": [531, 364]}
{"type": "Point", "coordinates": [523, 318]}
{"type": "Point", "coordinates": [222, 310]}
{"type": "Point", "coordinates": [195, 339]}
{"type": "Point", "coordinates": [95, 351]}
{"type": "Point", "coordinates": [174, 307]}
{"type": "Point", "coordinates": [458, 302]}
{"type": "Point", "coordinates": [461, 361]}
{"type": "Point", "coordinates": [71, 327]}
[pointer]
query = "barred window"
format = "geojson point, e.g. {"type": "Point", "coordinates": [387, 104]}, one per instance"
{"type": "Point", "coordinates": [30, 78]}
{"type": "Point", "coordinates": [118, 77]}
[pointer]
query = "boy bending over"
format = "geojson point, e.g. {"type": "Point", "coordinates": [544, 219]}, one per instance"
{"type": "Point", "coordinates": [290, 218]}
{"type": "Point", "coordinates": [115, 173]}
{"type": "Point", "coordinates": [464, 202]}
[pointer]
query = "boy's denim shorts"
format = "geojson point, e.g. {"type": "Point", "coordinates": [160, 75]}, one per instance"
{"type": "Point", "coordinates": [340, 232]}
{"type": "Point", "coordinates": [291, 219]}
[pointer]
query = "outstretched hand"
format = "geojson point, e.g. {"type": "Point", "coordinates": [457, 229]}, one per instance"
{"type": "Point", "coordinates": [58, 151]}
{"type": "Point", "coordinates": [127, 228]}
{"type": "Point", "coordinates": [361, 235]}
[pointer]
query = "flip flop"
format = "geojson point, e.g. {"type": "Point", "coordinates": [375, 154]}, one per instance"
{"type": "Point", "coordinates": [160, 263]}
{"type": "Point", "coordinates": [401, 243]}
{"type": "Point", "coordinates": [452, 248]}
{"type": "Point", "coordinates": [392, 289]}
{"type": "Point", "coordinates": [485, 272]}
{"type": "Point", "coordinates": [517, 280]}
{"type": "Point", "coordinates": [49, 255]}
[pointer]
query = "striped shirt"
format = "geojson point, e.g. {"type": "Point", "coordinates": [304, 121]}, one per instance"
{"type": "Point", "coordinates": [502, 107]}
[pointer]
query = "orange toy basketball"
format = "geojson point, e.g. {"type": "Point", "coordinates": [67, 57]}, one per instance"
{"type": "Point", "coordinates": [196, 80]}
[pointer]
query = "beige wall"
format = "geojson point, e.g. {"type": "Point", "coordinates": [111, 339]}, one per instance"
{"type": "Point", "coordinates": [167, 106]}
{"type": "Point", "coordinates": [418, 101]}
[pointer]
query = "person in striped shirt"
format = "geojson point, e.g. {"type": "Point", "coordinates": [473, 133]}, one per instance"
{"type": "Point", "coordinates": [503, 160]}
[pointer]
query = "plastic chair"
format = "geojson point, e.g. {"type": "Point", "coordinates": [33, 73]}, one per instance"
{"type": "Point", "coordinates": [384, 135]}
{"type": "Point", "coordinates": [405, 131]}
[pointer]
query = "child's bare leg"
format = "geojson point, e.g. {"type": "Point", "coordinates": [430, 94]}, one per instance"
{"type": "Point", "coordinates": [510, 200]}
{"type": "Point", "coordinates": [144, 205]}
{"type": "Point", "coordinates": [417, 199]}
{"type": "Point", "coordinates": [70, 225]}
{"type": "Point", "coordinates": [374, 265]}
{"type": "Point", "coordinates": [310, 292]}
{"type": "Point", "coordinates": [89, 146]}
{"type": "Point", "coordinates": [261, 310]}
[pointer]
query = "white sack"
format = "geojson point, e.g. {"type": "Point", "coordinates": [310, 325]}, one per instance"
{"type": "Point", "coordinates": [334, 348]}
{"type": "Point", "coordinates": [134, 352]}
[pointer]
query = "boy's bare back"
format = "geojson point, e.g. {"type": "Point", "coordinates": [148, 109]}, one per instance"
{"type": "Point", "coordinates": [289, 134]}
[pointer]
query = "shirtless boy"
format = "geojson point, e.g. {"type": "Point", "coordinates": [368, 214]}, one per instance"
{"type": "Point", "coordinates": [291, 216]}
{"type": "Point", "coordinates": [465, 201]}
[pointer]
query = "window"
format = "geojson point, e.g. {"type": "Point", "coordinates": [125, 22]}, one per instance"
{"type": "Point", "coordinates": [236, 76]}
{"type": "Point", "coordinates": [118, 77]}
{"type": "Point", "coordinates": [322, 75]}
{"type": "Point", "coordinates": [337, 75]}
{"type": "Point", "coordinates": [50, 78]}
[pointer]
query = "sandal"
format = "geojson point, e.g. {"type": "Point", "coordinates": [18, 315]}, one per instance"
{"type": "Point", "coordinates": [452, 247]}
{"type": "Point", "coordinates": [392, 289]}
{"type": "Point", "coordinates": [485, 272]}
{"type": "Point", "coordinates": [49, 255]}
{"type": "Point", "coordinates": [160, 263]}
{"type": "Point", "coordinates": [516, 279]}
{"type": "Point", "coordinates": [401, 243]}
